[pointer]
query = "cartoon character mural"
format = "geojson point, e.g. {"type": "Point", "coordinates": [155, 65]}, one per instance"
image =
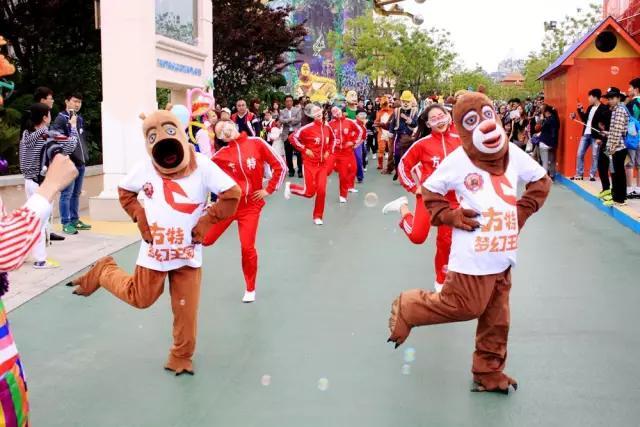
{"type": "Point", "coordinates": [318, 71]}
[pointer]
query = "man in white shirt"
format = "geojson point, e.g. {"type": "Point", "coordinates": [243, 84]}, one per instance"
{"type": "Point", "coordinates": [484, 173]}
{"type": "Point", "coordinates": [590, 137]}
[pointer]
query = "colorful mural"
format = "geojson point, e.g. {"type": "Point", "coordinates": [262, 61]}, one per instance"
{"type": "Point", "coordinates": [319, 72]}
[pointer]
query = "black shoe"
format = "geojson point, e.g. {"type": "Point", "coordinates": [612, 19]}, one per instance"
{"type": "Point", "coordinates": [56, 237]}
{"type": "Point", "coordinates": [395, 177]}
{"type": "Point", "coordinates": [292, 174]}
{"type": "Point", "coordinates": [592, 178]}
{"type": "Point", "coordinates": [299, 174]}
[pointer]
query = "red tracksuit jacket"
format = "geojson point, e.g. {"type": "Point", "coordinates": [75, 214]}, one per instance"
{"type": "Point", "coordinates": [317, 137]}
{"type": "Point", "coordinates": [347, 132]}
{"type": "Point", "coordinates": [425, 155]}
{"type": "Point", "coordinates": [244, 159]}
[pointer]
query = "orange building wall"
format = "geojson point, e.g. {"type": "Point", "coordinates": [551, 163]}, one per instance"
{"type": "Point", "coordinates": [621, 9]}
{"type": "Point", "coordinates": [566, 90]}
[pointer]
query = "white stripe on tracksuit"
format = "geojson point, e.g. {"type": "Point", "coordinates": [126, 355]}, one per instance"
{"type": "Point", "coordinates": [279, 160]}
{"type": "Point", "coordinates": [403, 176]}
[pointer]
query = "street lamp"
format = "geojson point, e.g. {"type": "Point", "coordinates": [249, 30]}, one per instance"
{"type": "Point", "coordinates": [379, 6]}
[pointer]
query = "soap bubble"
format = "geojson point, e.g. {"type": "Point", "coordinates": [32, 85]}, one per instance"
{"type": "Point", "coordinates": [323, 384]}
{"type": "Point", "coordinates": [406, 369]}
{"type": "Point", "coordinates": [182, 302]}
{"type": "Point", "coordinates": [615, 70]}
{"type": "Point", "coordinates": [410, 355]}
{"type": "Point", "coordinates": [265, 380]}
{"type": "Point", "coordinates": [370, 200]}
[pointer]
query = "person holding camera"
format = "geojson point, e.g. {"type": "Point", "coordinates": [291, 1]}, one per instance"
{"type": "Point", "coordinates": [594, 114]}
{"type": "Point", "coordinates": [70, 196]}
{"type": "Point", "coordinates": [33, 143]}
{"type": "Point", "coordinates": [44, 95]}
{"type": "Point", "coordinates": [19, 232]}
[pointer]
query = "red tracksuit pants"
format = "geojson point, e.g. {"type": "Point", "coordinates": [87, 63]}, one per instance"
{"type": "Point", "coordinates": [315, 184]}
{"type": "Point", "coordinates": [247, 216]}
{"type": "Point", "coordinates": [345, 165]}
{"type": "Point", "coordinates": [417, 227]}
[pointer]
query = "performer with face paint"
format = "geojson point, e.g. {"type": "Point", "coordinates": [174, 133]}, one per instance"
{"type": "Point", "coordinates": [244, 159]}
{"type": "Point", "coordinates": [174, 182]}
{"type": "Point", "coordinates": [349, 135]}
{"type": "Point", "coordinates": [403, 125]}
{"type": "Point", "coordinates": [382, 122]}
{"type": "Point", "coordinates": [484, 173]}
{"type": "Point", "coordinates": [316, 142]}
{"type": "Point", "coordinates": [423, 158]}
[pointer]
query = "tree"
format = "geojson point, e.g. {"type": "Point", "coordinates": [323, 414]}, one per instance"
{"type": "Point", "coordinates": [250, 40]}
{"type": "Point", "coordinates": [557, 39]}
{"type": "Point", "coordinates": [413, 59]}
{"type": "Point", "coordinates": [54, 43]}
{"type": "Point", "coordinates": [564, 33]}
{"type": "Point", "coordinates": [534, 67]}
{"type": "Point", "coordinates": [463, 79]}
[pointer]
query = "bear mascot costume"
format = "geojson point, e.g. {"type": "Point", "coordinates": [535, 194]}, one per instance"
{"type": "Point", "coordinates": [174, 183]}
{"type": "Point", "coordinates": [484, 173]}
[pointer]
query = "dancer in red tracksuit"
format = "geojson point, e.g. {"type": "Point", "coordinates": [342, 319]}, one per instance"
{"type": "Point", "coordinates": [422, 158]}
{"type": "Point", "coordinates": [244, 159]}
{"type": "Point", "coordinates": [316, 142]}
{"type": "Point", "coordinates": [348, 135]}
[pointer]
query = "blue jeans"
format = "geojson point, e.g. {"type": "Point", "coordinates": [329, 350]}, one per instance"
{"type": "Point", "coordinates": [585, 142]}
{"type": "Point", "coordinates": [360, 170]}
{"type": "Point", "coordinates": [70, 199]}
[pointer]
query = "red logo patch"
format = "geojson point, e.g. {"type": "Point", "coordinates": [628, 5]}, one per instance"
{"type": "Point", "coordinates": [473, 182]}
{"type": "Point", "coordinates": [148, 189]}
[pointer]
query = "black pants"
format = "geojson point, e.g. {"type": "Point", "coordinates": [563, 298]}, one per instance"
{"type": "Point", "coordinates": [619, 177]}
{"type": "Point", "coordinates": [289, 152]}
{"type": "Point", "coordinates": [372, 144]}
{"type": "Point", "coordinates": [603, 168]}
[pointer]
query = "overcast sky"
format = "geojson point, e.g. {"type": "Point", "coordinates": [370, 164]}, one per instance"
{"type": "Point", "coordinates": [487, 31]}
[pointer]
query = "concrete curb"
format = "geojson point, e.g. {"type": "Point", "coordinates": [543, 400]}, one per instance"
{"type": "Point", "coordinates": [617, 214]}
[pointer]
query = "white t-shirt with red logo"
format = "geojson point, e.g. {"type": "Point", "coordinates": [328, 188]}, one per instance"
{"type": "Point", "coordinates": [492, 248]}
{"type": "Point", "coordinates": [173, 208]}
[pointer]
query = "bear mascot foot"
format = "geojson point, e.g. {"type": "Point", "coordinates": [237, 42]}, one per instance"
{"type": "Point", "coordinates": [494, 383]}
{"type": "Point", "coordinates": [179, 366]}
{"type": "Point", "coordinates": [398, 326]}
{"type": "Point", "coordinates": [88, 283]}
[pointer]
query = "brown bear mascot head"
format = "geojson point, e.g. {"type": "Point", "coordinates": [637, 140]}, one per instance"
{"type": "Point", "coordinates": [166, 142]}
{"type": "Point", "coordinates": [483, 138]}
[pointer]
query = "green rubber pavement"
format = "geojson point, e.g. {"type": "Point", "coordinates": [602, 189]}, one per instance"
{"type": "Point", "coordinates": [323, 301]}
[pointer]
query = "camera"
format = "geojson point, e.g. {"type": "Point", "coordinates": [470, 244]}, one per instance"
{"type": "Point", "coordinates": [52, 147]}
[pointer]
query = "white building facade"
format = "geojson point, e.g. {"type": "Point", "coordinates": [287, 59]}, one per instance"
{"type": "Point", "coordinates": [146, 44]}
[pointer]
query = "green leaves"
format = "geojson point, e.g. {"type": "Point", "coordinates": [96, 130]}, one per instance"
{"type": "Point", "coordinates": [385, 49]}
{"type": "Point", "coordinates": [570, 29]}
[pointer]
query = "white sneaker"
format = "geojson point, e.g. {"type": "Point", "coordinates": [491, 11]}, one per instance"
{"type": "Point", "coordinates": [318, 221]}
{"type": "Point", "coordinates": [45, 265]}
{"type": "Point", "coordinates": [287, 190]}
{"type": "Point", "coordinates": [438, 287]}
{"type": "Point", "coordinates": [386, 155]}
{"type": "Point", "coordinates": [374, 156]}
{"type": "Point", "coordinates": [343, 200]}
{"type": "Point", "coordinates": [395, 205]}
{"type": "Point", "coordinates": [354, 190]}
{"type": "Point", "coordinates": [249, 296]}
